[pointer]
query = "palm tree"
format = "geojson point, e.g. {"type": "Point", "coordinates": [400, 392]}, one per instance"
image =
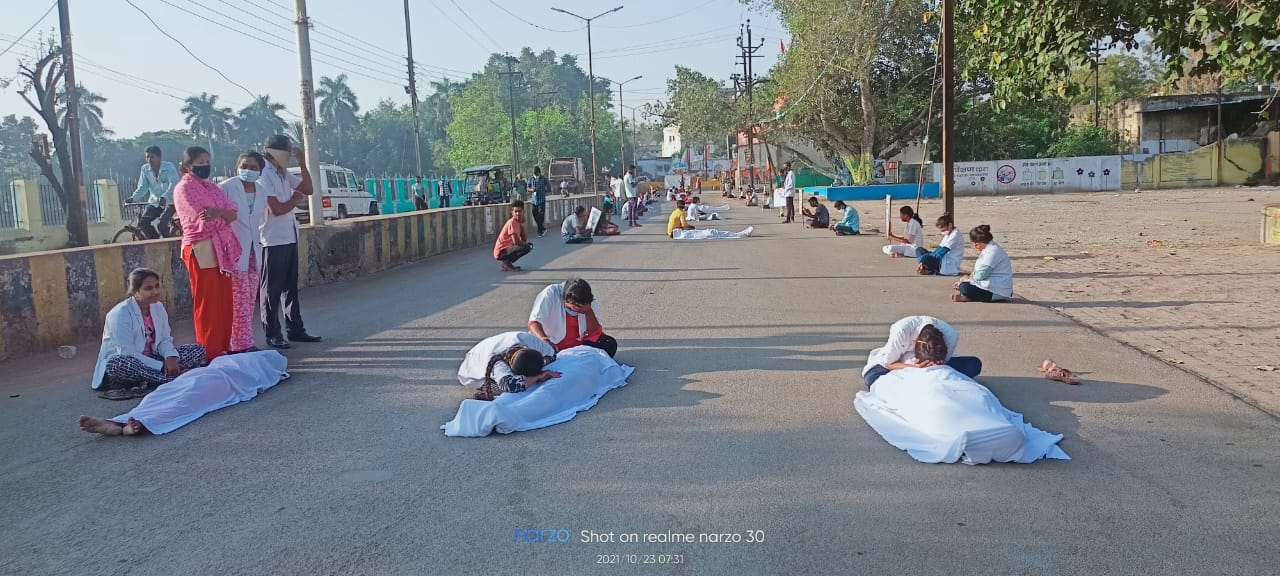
{"type": "Point", "coordinates": [337, 104]}
{"type": "Point", "coordinates": [259, 120]}
{"type": "Point", "coordinates": [90, 113]}
{"type": "Point", "coordinates": [206, 119]}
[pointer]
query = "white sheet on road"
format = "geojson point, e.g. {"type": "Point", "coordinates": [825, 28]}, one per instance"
{"type": "Point", "coordinates": [586, 375]}
{"type": "Point", "coordinates": [939, 415]}
{"type": "Point", "coordinates": [471, 372]}
{"type": "Point", "coordinates": [710, 234]}
{"type": "Point", "coordinates": [226, 381]}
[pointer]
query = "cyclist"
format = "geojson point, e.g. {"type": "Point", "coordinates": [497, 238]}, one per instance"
{"type": "Point", "coordinates": [155, 185]}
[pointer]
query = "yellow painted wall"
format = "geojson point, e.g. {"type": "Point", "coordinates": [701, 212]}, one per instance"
{"type": "Point", "coordinates": [33, 235]}
{"type": "Point", "coordinates": [1242, 160]}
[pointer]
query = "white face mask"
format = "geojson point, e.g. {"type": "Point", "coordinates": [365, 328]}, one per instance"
{"type": "Point", "coordinates": [281, 157]}
{"type": "Point", "coordinates": [249, 175]}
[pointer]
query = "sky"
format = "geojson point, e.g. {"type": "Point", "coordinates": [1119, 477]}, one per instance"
{"type": "Point", "coordinates": [249, 46]}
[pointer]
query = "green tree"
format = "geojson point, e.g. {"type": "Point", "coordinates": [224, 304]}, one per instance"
{"type": "Point", "coordinates": [15, 142]}
{"type": "Point", "coordinates": [259, 119]}
{"type": "Point", "coordinates": [91, 126]}
{"type": "Point", "coordinates": [338, 107]}
{"type": "Point", "coordinates": [1032, 48]}
{"type": "Point", "coordinates": [206, 119]}
{"type": "Point", "coordinates": [1120, 77]}
{"type": "Point", "coordinates": [1083, 140]}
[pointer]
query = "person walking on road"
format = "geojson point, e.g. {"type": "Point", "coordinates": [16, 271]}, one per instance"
{"type": "Point", "coordinates": [155, 186]}
{"type": "Point", "coordinates": [538, 199]}
{"type": "Point", "coordinates": [629, 188]}
{"type": "Point", "coordinates": [446, 192]}
{"type": "Point", "coordinates": [419, 194]}
{"type": "Point", "coordinates": [284, 191]}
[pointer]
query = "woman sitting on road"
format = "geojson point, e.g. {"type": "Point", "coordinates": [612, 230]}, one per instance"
{"type": "Point", "coordinates": [992, 278]}
{"type": "Point", "coordinates": [137, 351]}
{"type": "Point", "coordinates": [849, 225]}
{"type": "Point", "coordinates": [947, 257]}
{"type": "Point", "coordinates": [564, 316]}
{"type": "Point", "coordinates": [912, 242]}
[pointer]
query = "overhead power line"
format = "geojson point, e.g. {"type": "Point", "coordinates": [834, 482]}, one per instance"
{"type": "Point", "coordinates": [188, 50]}
{"type": "Point", "coordinates": [668, 18]}
{"type": "Point", "coordinates": [28, 30]}
{"type": "Point", "coordinates": [477, 25]}
{"type": "Point", "coordinates": [538, 26]}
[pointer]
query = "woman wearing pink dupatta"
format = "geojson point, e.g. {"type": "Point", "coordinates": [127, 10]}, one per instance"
{"type": "Point", "coordinates": [210, 250]}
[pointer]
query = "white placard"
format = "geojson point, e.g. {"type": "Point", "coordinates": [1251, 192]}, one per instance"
{"type": "Point", "coordinates": [594, 219]}
{"type": "Point", "coordinates": [888, 213]}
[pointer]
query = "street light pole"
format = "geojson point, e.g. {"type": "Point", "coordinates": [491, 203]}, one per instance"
{"type": "Point", "coordinates": [413, 92]}
{"type": "Point", "coordinates": [73, 131]}
{"type": "Point", "coordinates": [591, 90]}
{"type": "Point", "coordinates": [622, 131]}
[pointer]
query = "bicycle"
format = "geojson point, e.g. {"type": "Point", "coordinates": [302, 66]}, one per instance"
{"type": "Point", "coordinates": [133, 232]}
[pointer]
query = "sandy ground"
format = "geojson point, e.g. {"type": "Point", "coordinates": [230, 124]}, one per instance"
{"type": "Point", "coordinates": [1178, 274]}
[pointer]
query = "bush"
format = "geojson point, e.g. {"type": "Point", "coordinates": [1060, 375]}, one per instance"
{"type": "Point", "coordinates": [1084, 140]}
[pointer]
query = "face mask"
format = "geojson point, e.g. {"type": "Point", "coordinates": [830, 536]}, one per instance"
{"type": "Point", "coordinates": [281, 156]}
{"type": "Point", "coordinates": [202, 172]}
{"type": "Point", "coordinates": [249, 175]}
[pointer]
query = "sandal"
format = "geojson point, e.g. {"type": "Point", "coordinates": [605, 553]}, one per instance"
{"type": "Point", "coordinates": [1052, 371]}
{"type": "Point", "coordinates": [116, 394]}
{"type": "Point", "coordinates": [140, 391]}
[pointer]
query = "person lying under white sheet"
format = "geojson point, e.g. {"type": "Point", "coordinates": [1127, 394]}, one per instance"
{"type": "Point", "coordinates": [899, 351]}
{"type": "Point", "coordinates": [226, 381]}
{"type": "Point", "coordinates": [574, 382]}
{"type": "Point", "coordinates": [694, 210]}
{"type": "Point", "coordinates": [937, 414]}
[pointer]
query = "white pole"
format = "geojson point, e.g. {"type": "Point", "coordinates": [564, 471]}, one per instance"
{"type": "Point", "coordinates": [309, 146]}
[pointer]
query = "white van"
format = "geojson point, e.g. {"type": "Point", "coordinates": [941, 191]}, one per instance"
{"type": "Point", "coordinates": [340, 193]}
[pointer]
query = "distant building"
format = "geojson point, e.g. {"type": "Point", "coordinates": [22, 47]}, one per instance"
{"type": "Point", "coordinates": [1160, 124]}
{"type": "Point", "coordinates": [671, 143]}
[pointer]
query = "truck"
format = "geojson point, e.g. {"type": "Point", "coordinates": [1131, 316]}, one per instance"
{"type": "Point", "coordinates": [566, 170]}
{"type": "Point", "coordinates": [341, 195]}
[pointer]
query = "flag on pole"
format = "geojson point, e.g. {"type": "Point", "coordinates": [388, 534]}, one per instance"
{"type": "Point", "coordinates": [783, 46]}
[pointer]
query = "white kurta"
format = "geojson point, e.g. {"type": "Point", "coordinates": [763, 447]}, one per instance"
{"type": "Point", "coordinates": [993, 271]}
{"type": "Point", "coordinates": [549, 310]}
{"type": "Point", "coordinates": [586, 375]}
{"type": "Point", "coordinates": [916, 233]}
{"type": "Point", "coordinates": [939, 415]}
{"type": "Point", "coordinates": [709, 234]}
{"type": "Point", "coordinates": [471, 372]}
{"type": "Point", "coordinates": [226, 381]}
{"type": "Point", "coordinates": [954, 243]}
{"type": "Point", "coordinates": [902, 341]}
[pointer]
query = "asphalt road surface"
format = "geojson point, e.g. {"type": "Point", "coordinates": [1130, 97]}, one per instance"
{"type": "Point", "coordinates": [738, 424]}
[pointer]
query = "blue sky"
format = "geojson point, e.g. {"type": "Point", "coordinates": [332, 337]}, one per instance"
{"type": "Point", "coordinates": [145, 75]}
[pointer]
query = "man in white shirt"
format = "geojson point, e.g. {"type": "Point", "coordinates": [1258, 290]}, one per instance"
{"type": "Point", "coordinates": [564, 188]}
{"type": "Point", "coordinates": [789, 191]}
{"type": "Point", "coordinates": [574, 228]}
{"type": "Point", "coordinates": [629, 189]}
{"type": "Point", "coordinates": [284, 192]}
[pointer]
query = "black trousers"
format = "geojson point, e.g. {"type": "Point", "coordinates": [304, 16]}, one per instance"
{"type": "Point", "coordinates": [150, 215]}
{"type": "Point", "coordinates": [444, 201]}
{"type": "Point", "coordinates": [605, 342]}
{"type": "Point", "coordinates": [279, 285]}
{"type": "Point", "coordinates": [510, 255]}
{"type": "Point", "coordinates": [791, 209]}
{"type": "Point", "coordinates": [540, 217]}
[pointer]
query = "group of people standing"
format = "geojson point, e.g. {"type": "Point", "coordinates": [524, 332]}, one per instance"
{"type": "Point", "coordinates": [240, 250]}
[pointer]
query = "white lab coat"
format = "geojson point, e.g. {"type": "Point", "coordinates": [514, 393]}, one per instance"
{"type": "Point", "coordinates": [902, 338]}
{"type": "Point", "coordinates": [124, 333]}
{"type": "Point", "coordinates": [954, 243]}
{"type": "Point", "coordinates": [549, 310]}
{"type": "Point", "coordinates": [249, 220]}
{"type": "Point", "coordinates": [474, 364]}
{"type": "Point", "coordinates": [995, 270]}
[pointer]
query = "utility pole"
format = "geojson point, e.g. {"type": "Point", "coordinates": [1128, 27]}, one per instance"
{"type": "Point", "coordinates": [511, 94]}
{"type": "Point", "coordinates": [749, 82]}
{"type": "Point", "coordinates": [413, 91]}
{"type": "Point", "coordinates": [633, 136]}
{"type": "Point", "coordinates": [310, 149]}
{"type": "Point", "coordinates": [622, 127]}
{"type": "Point", "coordinates": [76, 212]}
{"type": "Point", "coordinates": [948, 108]}
{"type": "Point", "coordinates": [1097, 73]}
{"type": "Point", "coordinates": [591, 91]}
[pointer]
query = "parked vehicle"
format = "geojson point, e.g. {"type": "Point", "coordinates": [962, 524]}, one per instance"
{"type": "Point", "coordinates": [483, 186]}
{"type": "Point", "coordinates": [566, 169]}
{"type": "Point", "coordinates": [341, 195]}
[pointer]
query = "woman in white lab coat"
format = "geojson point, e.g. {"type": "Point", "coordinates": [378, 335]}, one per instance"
{"type": "Point", "coordinates": [137, 352]}
{"type": "Point", "coordinates": [992, 278]}
{"type": "Point", "coordinates": [909, 244]}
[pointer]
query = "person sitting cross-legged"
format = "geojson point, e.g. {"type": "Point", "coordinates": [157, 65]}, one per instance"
{"type": "Point", "coordinates": [574, 229]}
{"type": "Point", "coordinates": [847, 226]}
{"type": "Point", "coordinates": [564, 316]}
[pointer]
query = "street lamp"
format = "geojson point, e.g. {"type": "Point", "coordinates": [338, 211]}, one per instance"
{"type": "Point", "coordinates": [622, 129]}
{"type": "Point", "coordinates": [591, 89]}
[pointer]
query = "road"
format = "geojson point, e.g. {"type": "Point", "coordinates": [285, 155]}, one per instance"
{"type": "Point", "coordinates": [738, 419]}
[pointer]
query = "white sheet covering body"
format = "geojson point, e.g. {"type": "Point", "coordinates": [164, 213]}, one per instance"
{"type": "Point", "coordinates": [586, 375]}
{"type": "Point", "coordinates": [939, 415]}
{"type": "Point", "coordinates": [471, 373]}
{"type": "Point", "coordinates": [710, 234]}
{"type": "Point", "coordinates": [226, 381]}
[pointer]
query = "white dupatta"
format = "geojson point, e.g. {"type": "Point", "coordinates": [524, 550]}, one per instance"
{"type": "Point", "coordinates": [549, 310]}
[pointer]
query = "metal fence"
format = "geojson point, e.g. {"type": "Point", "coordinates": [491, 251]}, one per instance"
{"type": "Point", "coordinates": [9, 206]}
{"type": "Point", "coordinates": [51, 211]}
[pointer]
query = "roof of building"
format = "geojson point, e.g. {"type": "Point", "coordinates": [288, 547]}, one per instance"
{"type": "Point", "coordinates": [1182, 102]}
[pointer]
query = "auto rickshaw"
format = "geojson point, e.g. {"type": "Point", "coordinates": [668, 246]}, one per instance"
{"type": "Point", "coordinates": [487, 184]}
